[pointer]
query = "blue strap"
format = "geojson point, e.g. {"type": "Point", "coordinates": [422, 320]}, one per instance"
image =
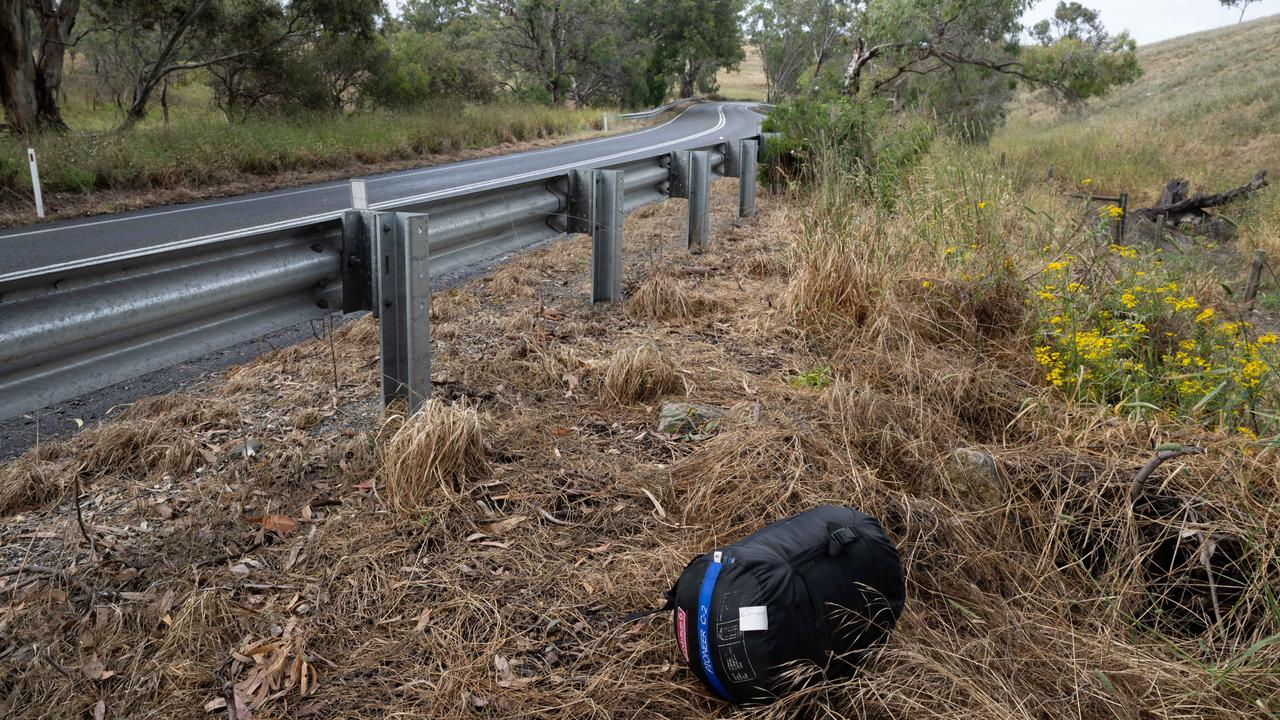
{"type": "Point", "coordinates": [704, 618]}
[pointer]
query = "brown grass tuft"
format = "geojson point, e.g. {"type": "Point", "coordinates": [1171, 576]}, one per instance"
{"type": "Point", "coordinates": [637, 373]}
{"type": "Point", "coordinates": [439, 448]}
{"type": "Point", "coordinates": [661, 297]}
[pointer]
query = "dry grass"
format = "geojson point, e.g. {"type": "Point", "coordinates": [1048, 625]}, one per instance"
{"type": "Point", "coordinates": [661, 297]}
{"type": "Point", "coordinates": [1036, 586]}
{"type": "Point", "coordinates": [748, 81]}
{"type": "Point", "coordinates": [438, 449]}
{"type": "Point", "coordinates": [637, 373]}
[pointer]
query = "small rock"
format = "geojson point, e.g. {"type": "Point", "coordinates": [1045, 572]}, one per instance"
{"type": "Point", "coordinates": [977, 476]}
{"type": "Point", "coordinates": [693, 421]}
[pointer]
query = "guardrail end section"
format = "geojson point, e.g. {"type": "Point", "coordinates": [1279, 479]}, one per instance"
{"type": "Point", "coordinates": [405, 293]}
{"type": "Point", "coordinates": [606, 236]}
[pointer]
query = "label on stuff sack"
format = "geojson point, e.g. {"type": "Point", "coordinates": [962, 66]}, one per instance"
{"type": "Point", "coordinates": [753, 619]}
{"type": "Point", "coordinates": [732, 648]}
{"type": "Point", "coordinates": [682, 632]}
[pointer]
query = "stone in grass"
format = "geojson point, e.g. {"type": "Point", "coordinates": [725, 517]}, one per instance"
{"type": "Point", "coordinates": [689, 421]}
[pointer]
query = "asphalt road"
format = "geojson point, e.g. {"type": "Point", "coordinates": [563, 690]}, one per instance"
{"type": "Point", "coordinates": [73, 242]}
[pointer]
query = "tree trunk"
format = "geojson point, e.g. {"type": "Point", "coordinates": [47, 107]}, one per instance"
{"type": "Point", "coordinates": [55, 35]}
{"type": "Point", "coordinates": [689, 79]}
{"type": "Point", "coordinates": [853, 76]}
{"type": "Point", "coordinates": [17, 69]}
{"type": "Point", "coordinates": [164, 101]}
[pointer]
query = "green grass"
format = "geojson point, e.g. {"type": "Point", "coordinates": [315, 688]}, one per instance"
{"type": "Point", "coordinates": [200, 149]}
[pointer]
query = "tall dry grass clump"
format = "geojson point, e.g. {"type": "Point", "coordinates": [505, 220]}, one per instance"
{"type": "Point", "coordinates": [661, 297]}
{"type": "Point", "coordinates": [438, 449]}
{"type": "Point", "coordinates": [637, 373]}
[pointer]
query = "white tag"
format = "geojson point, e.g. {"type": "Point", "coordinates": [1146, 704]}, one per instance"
{"type": "Point", "coordinates": [754, 618]}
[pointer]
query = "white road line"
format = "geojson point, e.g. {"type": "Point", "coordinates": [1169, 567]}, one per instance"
{"type": "Point", "coordinates": [333, 186]}
{"type": "Point", "coordinates": [333, 215]}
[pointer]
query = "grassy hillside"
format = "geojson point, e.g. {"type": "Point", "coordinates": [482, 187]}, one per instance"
{"type": "Point", "coordinates": [1207, 108]}
{"type": "Point", "coordinates": [747, 82]}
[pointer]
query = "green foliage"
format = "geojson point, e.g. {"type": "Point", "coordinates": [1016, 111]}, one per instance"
{"type": "Point", "coordinates": [77, 180]}
{"type": "Point", "coordinates": [814, 379]}
{"type": "Point", "coordinates": [693, 39]}
{"type": "Point", "coordinates": [422, 67]}
{"type": "Point", "coordinates": [1081, 70]}
{"type": "Point", "coordinates": [859, 144]}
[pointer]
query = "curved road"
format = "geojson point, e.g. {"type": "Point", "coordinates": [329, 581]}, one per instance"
{"type": "Point", "coordinates": [73, 242]}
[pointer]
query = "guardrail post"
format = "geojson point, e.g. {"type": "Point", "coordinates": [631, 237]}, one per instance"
{"type": "Point", "coordinates": [404, 303]}
{"type": "Point", "coordinates": [606, 236]}
{"type": "Point", "coordinates": [747, 179]}
{"type": "Point", "coordinates": [699, 195]}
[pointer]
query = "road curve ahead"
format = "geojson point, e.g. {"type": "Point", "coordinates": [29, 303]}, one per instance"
{"type": "Point", "coordinates": [74, 242]}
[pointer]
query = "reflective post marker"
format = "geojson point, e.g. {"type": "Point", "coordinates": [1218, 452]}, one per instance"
{"type": "Point", "coordinates": [35, 182]}
{"type": "Point", "coordinates": [359, 195]}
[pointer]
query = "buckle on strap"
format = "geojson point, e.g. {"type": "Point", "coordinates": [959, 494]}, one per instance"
{"type": "Point", "coordinates": [840, 538]}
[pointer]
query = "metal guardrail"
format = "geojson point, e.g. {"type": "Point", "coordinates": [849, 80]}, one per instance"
{"type": "Point", "coordinates": [67, 332]}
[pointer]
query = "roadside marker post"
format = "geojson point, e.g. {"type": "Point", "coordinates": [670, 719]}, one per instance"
{"type": "Point", "coordinates": [606, 122]}
{"type": "Point", "coordinates": [699, 195]}
{"type": "Point", "coordinates": [35, 182]}
{"type": "Point", "coordinates": [606, 236]}
{"type": "Point", "coordinates": [359, 195]}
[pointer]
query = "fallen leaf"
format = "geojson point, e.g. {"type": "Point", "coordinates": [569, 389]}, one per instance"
{"type": "Point", "coordinates": [423, 618]}
{"type": "Point", "coordinates": [502, 526]}
{"type": "Point", "coordinates": [99, 710]}
{"type": "Point", "coordinates": [282, 524]}
{"type": "Point", "coordinates": [504, 667]}
{"type": "Point", "coordinates": [598, 550]}
{"type": "Point", "coordinates": [95, 670]}
{"type": "Point", "coordinates": [79, 425]}
{"type": "Point", "coordinates": [162, 509]}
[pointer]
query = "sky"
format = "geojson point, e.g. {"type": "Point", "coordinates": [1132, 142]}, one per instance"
{"type": "Point", "coordinates": [1150, 21]}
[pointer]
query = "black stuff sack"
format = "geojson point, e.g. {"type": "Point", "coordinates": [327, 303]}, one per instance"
{"type": "Point", "coordinates": [821, 587]}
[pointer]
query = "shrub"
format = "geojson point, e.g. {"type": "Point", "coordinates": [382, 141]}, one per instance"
{"type": "Point", "coordinates": [1125, 330]}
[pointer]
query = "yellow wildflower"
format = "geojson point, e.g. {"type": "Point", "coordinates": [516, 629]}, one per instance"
{"type": "Point", "coordinates": [1115, 211]}
{"type": "Point", "coordinates": [1086, 181]}
{"type": "Point", "coordinates": [1129, 301]}
{"type": "Point", "coordinates": [1268, 339]}
{"type": "Point", "coordinates": [1205, 315]}
{"type": "Point", "coordinates": [925, 284]}
{"type": "Point", "coordinates": [1124, 251]}
{"type": "Point", "coordinates": [1055, 266]}
{"type": "Point", "coordinates": [982, 205]}
{"type": "Point", "coordinates": [1075, 287]}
